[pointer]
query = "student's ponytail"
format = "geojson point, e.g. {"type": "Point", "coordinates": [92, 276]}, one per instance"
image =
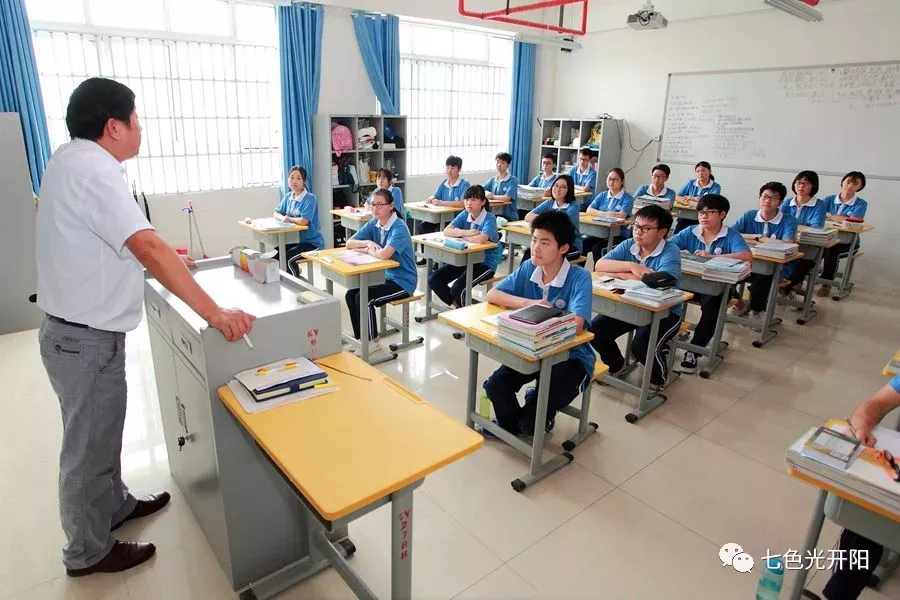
{"type": "Point", "coordinates": [387, 197]}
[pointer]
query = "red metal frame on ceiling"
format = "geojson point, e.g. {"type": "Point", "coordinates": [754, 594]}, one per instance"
{"type": "Point", "coordinates": [503, 15]}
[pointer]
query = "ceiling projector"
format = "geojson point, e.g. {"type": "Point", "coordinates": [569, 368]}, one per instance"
{"type": "Point", "coordinates": [647, 18]}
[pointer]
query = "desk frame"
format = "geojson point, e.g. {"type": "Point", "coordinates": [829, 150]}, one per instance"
{"type": "Point", "coordinates": [602, 230]}
{"type": "Point", "coordinates": [844, 285]}
{"type": "Point", "coordinates": [762, 266]}
{"type": "Point", "coordinates": [467, 259]}
{"type": "Point", "coordinates": [697, 285]}
{"type": "Point", "coordinates": [349, 223]}
{"type": "Point", "coordinates": [814, 252]}
{"type": "Point", "coordinates": [515, 238]}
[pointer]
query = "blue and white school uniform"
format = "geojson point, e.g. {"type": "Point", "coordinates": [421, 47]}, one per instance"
{"type": "Point", "coordinates": [449, 281]}
{"type": "Point", "coordinates": [727, 241]}
{"type": "Point", "coordinates": [647, 190]}
{"type": "Point", "coordinates": [486, 223]}
{"type": "Point", "coordinates": [305, 205]}
{"type": "Point", "coordinates": [543, 182]}
{"type": "Point", "coordinates": [398, 200]}
{"type": "Point", "coordinates": [508, 186]}
{"type": "Point", "coordinates": [811, 214]}
{"type": "Point", "coordinates": [692, 188]}
{"type": "Point", "coordinates": [621, 202]}
{"type": "Point", "coordinates": [587, 179]}
{"type": "Point", "coordinates": [855, 207]}
{"type": "Point", "coordinates": [451, 193]}
{"type": "Point", "coordinates": [665, 257]}
{"type": "Point", "coordinates": [782, 226]}
{"type": "Point", "coordinates": [572, 210]}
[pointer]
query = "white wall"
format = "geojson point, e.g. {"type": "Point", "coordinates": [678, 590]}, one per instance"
{"type": "Point", "coordinates": [629, 76]}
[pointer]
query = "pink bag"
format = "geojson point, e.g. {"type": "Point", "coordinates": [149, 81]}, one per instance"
{"type": "Point", "coordinates": [341, 139]}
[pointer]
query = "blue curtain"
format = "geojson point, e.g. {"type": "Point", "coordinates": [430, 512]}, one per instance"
{"type": "Point", "coordinates": [300, 41]}
{"type": "Point", "coordinates": [520, 112]}
{"type": "Point", "coordinates": [378, 37]}
{"type": "Point", "coordinates": [20, 90]}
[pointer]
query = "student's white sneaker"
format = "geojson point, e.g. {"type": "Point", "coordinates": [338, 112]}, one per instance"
{"type": "Point", "coordinates": [377, 351]}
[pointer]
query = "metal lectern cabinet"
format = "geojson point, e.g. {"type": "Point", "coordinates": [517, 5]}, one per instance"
{"type": "Point", "coordinates": [249, 514]}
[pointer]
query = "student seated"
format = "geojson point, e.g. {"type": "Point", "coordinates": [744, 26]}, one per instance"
{"type": "Point", "coordinates": [385, 237]}
{"type": "Point", "coordinates": [585, 176]}
{"type": "Point", "coordinates": [704, 183]}
{"type": "Point", "coordinates": [766, 224]}
{"type": "Point", "coordinates": [449, 192]}
{"type": "Point", "coordinates": [848, 583]}
{"type": "Point", "coordinates": [547, 278]}
{"type": "Point", "coordinates": [547, 176]}
{"type": "Point", "coordinates": [475, 225]}
{"type": "Point", "coordinates": [504, 186]}
{"type": "Point", "coordinates": [300, 207]}
{"type": "Point", "coordinates": [613, 202]}
{"type": "Point", "coordinates": [809, 210]}
{"type": "Point", "coordinates": [383, 181]}
{"type": "Point", "coordinates": [659, 175]}
{"type": "Point", "coordinates": [710, 238]}
{"type": "Point", "coordinates": [563, 200]}
{"type": "Point", "coordinates": [845, 204]}
{"type": "Point", "coordinates": [647, 252]}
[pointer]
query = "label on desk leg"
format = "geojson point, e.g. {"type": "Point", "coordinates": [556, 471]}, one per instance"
{"type": "Point", "coordinates": [313, 336]}
{"type": "Point", "coordinates": [404, 534]}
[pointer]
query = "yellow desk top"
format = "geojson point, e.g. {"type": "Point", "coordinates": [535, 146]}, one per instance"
{"type": "Point", "coordinates": [618, 298]}
{"type": "Point", "coordinates": [780, 261]}
{"type": "Point", "coordinates": [432, 207]}
{"type": "Point", "coordinates": [578, 194]}
{"type": "Point", "coordinates": [683, 206]}
{"type": "Point", "coordinates": [843, 494]}
{"type": "Point", "coordinates": [589, 220]}
{"type": "Point", "coordinates": [495, 203]}
{"type": "Point", "coordinates": [523, 227]}
{"type": "Point", "coordinates": [469, 320]}
{"type": "Point", "coordinates": [347, 449]}
{"type": "Point", "coordinates": [360, 216]}
{"type": "Point", "coordinates": [427, 239]}
{"type": "Point", "coordinates": [293, 228]}
{"type": "Point", "coordinates": [861, 229]}
{"type": "Point", "coordinates": [329, 260]}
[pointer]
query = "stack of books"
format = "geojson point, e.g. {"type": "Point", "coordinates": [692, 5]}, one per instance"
{"type": "Point", "coordinates": [816, 236]}
{"type": "Point", "coordinates": [283, 378]}
{"type": "Point", "coordinates": [727, 270]}
{"type": "Point", "coordinates": [773, 249]}
{"type": "Point", "coordinates": [693, 264]}
{"type": "Point", "coordinates": [535, 339]}
{"type": "Point", "coordinates": [642, 201]}
{"type": "Point", "coordinates": [527, 192]}
{"type": "Point", "coordinates": [655, 298]}
{"type": "Point", "coordinates": [820, 453]}
{"type": "Point", "coordinates": [608, 219]}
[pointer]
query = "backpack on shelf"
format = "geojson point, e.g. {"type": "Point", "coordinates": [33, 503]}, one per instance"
{"type": "Point", "coordinates": [341, 139]}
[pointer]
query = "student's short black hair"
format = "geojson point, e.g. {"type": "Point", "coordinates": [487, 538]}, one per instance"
{"type": "Point", "coordinates": [504, 156]}
{"type": "Point", "coordinates": [477, 191]}
{"type": "Point", "coordinates": [855, 175]}
{"type": "Point", "coordinates": [382, 172]}
{"type": "Point", "coordinates": [559, 226]}
{"type": "Point", "coordinates": [706, 166]}
{"type": "Point", "coordinates": [300, 170]}
{"type": "Point", "coordinates": [774, 186]}
{"type": "Point", "coordinates": [662, 167]}
{"type": "Point", "coordinates": [714, 202]}
{"type": "Point", "coordinates": [586, 152]}
{"type": "Point", "coordinates": [570, 187]}
{"type": "Point", "coordinates": [454, 161]}
{"type": "Point", "coordinates": [618, 172]}
{"type": "Point", "coordinates": [94, 102]}
{"type": "Point", "coordinates": [550, 155]}
{"type": "Point", "coordinates": [812, 177]}
{"type": "Point", "coordinates": [655, 213]}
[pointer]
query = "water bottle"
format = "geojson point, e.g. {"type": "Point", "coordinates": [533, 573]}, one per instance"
{"type": "Point", "coordinates": [770, 581]}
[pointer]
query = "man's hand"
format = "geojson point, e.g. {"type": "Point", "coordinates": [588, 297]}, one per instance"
{"type": "Point", "coordinates": [189, 262]}
{"type": "Point", "coordinates": [703, 253]}
{"type": "Point", "coordinates": [526, 302]}
{"type": "Point", "coordinates": [233, 323]}
{"type": "Point", "coordinates": [640, 270]}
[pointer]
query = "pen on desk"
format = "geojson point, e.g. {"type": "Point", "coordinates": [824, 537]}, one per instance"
{"type": "Point", "coordinates": [326, 259]}
{"type": "Point", "coordinates": [285, 367]}
{"type": "Point", "coordinates": [249, 343]}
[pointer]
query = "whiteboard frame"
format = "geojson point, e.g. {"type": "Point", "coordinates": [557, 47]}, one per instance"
{"type": "Point", "coordinates": [761, 70]}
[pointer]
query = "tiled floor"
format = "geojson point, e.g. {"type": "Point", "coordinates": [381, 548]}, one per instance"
{"type": "Point", "coordinates": [640, 514]}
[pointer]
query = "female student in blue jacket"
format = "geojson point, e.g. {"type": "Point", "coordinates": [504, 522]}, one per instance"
{"type": "Point", "coordinates": [845, 204]}
{"type": "Point", "coordinates": [300, 207]}
{"type": "Point", "coordinates": [383, 181]}
{"type": "Point", "coordinates": [613, 202]}
{"type": "Point", "coordinates": [659, 175]}
{"type": "Point", "coordinates": [385, 237]}
{"type": "Point", "coordinates": [809, 210]}
{"type": "Point", "coordinates": [704, 183]}
{"type": "Point", "coordinates": [475, 225]}
{"type": "Point", "coordinates": [563, 200]}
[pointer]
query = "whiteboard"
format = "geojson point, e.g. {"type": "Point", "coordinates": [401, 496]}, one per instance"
{"type": "Point", "coordinates": [831, 119]}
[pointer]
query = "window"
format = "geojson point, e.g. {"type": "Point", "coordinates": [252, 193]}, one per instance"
{"type": "Point", "coordinates": [210, 110]}
{"type": "Point", "coordinates": [455, 88]}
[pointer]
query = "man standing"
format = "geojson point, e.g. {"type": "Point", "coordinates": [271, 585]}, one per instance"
{"type": "Point", "coordinates": [91, 242]}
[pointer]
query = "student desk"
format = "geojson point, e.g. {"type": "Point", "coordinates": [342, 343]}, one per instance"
{"type": "Point", "coordinates": [350, 277]}
{"type": "Point", "coordinates": [530, 203]}
{"type": "Point", "coordinates": [481, 338]}
{"type": "Point", "coordinates": [814, 252]}
{"type": "Point", "coordinates": [681, 210]}
{"type": "Point", "coordinates": [613, 305]}
{"type": "Point", "coordinates": [346, 453]}
{"type": "Point", "coordinates": [518, 233]}
{"type": "Point", "coordinates": [764, 265]}
{"type": "Point", "coordinates": [434, 250]}
{"type": "Point", "coordinates": [277, 237]}
{"type": "Point", "coordinates": [697, 285]}
{"type": "Point", "coordinates": [430, 213]}
{"type": "Point", "coordinates": [497, 206]}
{"type": "Point", "coordinates": [846, 235]}
{"type": "Point", "coordinates": [588, 226]}
{"type": "Point", "coordinates": [847, 508]}
{"type": "Point", "coordinates": [352, 221]}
